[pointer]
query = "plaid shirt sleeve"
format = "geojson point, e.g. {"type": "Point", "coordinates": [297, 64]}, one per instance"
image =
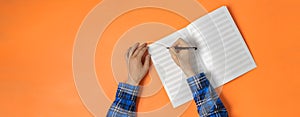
{"type": "Point", "coordinates": [125, 102]}
{"type": "Point", "coordinates": [207, 100]}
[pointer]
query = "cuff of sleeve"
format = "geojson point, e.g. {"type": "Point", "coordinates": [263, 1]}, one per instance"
{"type": "Point", "coordinates": [198, 82]}
{"type": "Point", "coordinates": [126, 91]}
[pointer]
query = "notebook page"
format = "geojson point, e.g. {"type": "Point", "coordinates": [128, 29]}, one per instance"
{"type": "Point", "coordinates": [235, 59]}
{"type": "Point", "coordinates": [173, 79]}
{"type": "Point", "coordinates": [239, 59]}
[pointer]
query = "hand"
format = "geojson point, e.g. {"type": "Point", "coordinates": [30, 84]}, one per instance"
{"type": "Point", "coordinates": [137, 64]}
{"type": "Point", "coordinates": [182, 57]}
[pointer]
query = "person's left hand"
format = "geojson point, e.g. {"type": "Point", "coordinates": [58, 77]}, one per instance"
{"type": "Point", "coordinates": [137, 66]}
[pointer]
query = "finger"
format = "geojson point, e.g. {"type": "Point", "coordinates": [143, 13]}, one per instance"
{"type": "Point", "coordinates": [133, 48]}
{"type": "Point", "coordinates": [174, 55]}
{"type": "Point", "coordinates": [172, 51]}
{"type": "Point", "coordinates": [147, 62]}
{"type": "Point", "coordinates": [127, 53]}
{"type": "Point", "coordinates": [180, 43]}
{"type": "Point", "coordinates": [135, 53]}
{"type": "Point", "coordinates": [175, 59]}
{"type": "Point", "coordinates": [142, 52]}
{"type": "Point", "coordinates": [176, 43]}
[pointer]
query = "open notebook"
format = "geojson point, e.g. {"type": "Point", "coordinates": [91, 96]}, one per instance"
{"type": "Point", "coordinates": [222, 54]}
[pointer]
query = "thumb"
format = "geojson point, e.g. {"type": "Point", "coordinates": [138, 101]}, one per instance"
{"type": "Point", "coordinates": [147, 62]}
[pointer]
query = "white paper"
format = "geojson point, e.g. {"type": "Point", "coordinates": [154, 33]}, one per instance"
{"type": "Point", "coordinates": [222, 54]}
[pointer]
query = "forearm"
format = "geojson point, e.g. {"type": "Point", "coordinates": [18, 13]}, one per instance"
{"type": "Point", "coordinates": [207, 100]}
{"type": "Point", "coordinates": [125, 101]}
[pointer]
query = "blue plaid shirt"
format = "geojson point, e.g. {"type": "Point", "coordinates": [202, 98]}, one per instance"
{"type": "Point", "coordinates": [208, 102]}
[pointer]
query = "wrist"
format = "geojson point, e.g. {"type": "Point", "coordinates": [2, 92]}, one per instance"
{"type": "Point", "coordinates": [131, 82]}
{"type": "Point", "coordinates": [189, 73]}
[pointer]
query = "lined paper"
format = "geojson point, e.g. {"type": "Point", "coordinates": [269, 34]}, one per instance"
{"type": "Point", "coordinates": [222, 54]}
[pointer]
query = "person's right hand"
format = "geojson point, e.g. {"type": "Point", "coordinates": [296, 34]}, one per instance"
{"type": "Point", "coordinates": [182, 57]}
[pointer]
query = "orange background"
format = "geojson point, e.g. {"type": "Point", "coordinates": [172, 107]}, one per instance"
{"type": "Point", "coordinates": [37, 37]}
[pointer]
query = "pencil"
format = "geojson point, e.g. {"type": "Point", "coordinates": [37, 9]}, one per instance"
{"type": "Point", "coordinates": [182, 48]}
